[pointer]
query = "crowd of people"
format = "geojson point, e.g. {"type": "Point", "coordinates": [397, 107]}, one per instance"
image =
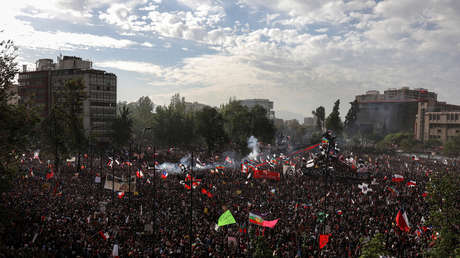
{"type": "Point", "coordinates": [70, 214]}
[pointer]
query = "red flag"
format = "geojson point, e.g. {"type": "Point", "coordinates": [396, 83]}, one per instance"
{"type": "Point", "coordinates": [323, 240]}
{"type": "Point", "coordinates": [139, 173]}
{"type": "Point", "coordinates": [397, 178]}
{"type": "Point", "coordinates": [411, 183]}
{"type": "Point", "coordinates": [50, 174]}
{"type": "Point", "coordinates": [425, 194]}
{"type": "Point", "coordinates": [104, 236]}
{"type": "Point", "coordinates": [121, 194]}
{"type": "Point", "coordinates": [164, 175]}
{"type": "Point", "coordinates": [402, 221]}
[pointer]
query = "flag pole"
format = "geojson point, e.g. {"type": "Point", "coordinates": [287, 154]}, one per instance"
{"type": "Point", "coordinates": [191, 204]}
{"type": "Point", "coordinates": [113, 177]}
{"type": "Point", "coordinates": [154, 198]}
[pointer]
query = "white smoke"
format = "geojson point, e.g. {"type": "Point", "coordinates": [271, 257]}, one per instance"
{"type": "Point", "coordinates": [253, 144]}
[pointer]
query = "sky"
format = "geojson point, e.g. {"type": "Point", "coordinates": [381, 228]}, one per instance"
{"type": "Point", "coordinates": [298, 53]}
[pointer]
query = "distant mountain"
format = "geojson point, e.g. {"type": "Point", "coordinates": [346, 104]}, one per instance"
{"type": "Point", "coordinates": [288, 115]}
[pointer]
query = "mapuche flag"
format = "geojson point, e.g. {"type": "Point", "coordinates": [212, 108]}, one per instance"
{"type": "Point", "coordinates": [258, 220]}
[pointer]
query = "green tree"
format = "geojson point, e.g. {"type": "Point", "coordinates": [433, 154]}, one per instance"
{"type": "Point", "coordinates": [237, 125]}
{"type": "Point", "coordinates": [262, 127]}
{"type": "Point", "coordinates": [122, 128]}
{"type": "Point", "coordinates": [443, 200]}
{"type": "Point", "coordinates": [172, 126]}
{"type": "Point", "coordinates": [210, 126]}
{"type": "Point", "coordinates": [17, 122]}
{"type": "Point", "coordinates": [374, 248]}
{"type": "Point", "coordinates": [351, 117]}
{"type": "Point", "coordinates": [70, 99]}
{"type": "Point", "coordinates": [333, 121]}
{"type": "Point", "coordinates": [452, 147]}
{"type": "Point", "coordinates": [53, 136]}
{"type": "Point", "coordinates": [432, 143]}
{"type": "Point", "coordinates": [320, 115]}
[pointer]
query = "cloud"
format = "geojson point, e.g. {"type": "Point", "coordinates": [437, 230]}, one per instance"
{"type": "Point", "coordinates": [301, 54]}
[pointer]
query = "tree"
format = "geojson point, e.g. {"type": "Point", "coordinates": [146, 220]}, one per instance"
{"type": "Point", "coordinates": [237, 125]}
{"type": "Point", "coordinates": [53, 136]}
{"type": "Point", "coordinates": [17, 122]}
{"type": "Point", "coordinates": [320, 115]}
{"type": "Point", "coordinates": [69, 100]}
{"type": "Point", "coordinates": [452, 147]}
{"type": "Point", "coordinates": [374, 248]}
{"type": "Point", "coordinates": [172, 126]}
{"type": "Point", "coordinates": [351, 117]}
{"type": "Point", "coordinates": [122, 128]}
{"type": "Point", "coordinates": [443, 200]}
{"type": "Point", "coordinates": [210, 126]}
{"type": "Point", "coordinates": [333, 121]}
{"type": "Point", "coordinates": [262, 127]}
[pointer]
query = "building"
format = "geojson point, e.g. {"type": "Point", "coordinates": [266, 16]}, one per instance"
{"type": "Point", "coordinates": [393, 111]}
{"type": "Point", "coordinates": [309, 121]}
{"type": "Point", "coordinates": [39, 88]}
{"type": "Point", "coordinates": [194, 106]}
{"type": "Point", "coordinates": [265, 103]}
{"type": "Point", "coordinates": [438, 120]}
{"type": "Point", "coordinates": [13, 95]}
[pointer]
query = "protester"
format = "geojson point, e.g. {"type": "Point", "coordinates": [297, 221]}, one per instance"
{"type": "Point", "coordinates": [64, 214]}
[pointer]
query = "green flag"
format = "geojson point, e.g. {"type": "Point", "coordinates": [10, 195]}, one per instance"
{"type": "Point", "coordinates": [225, 219]}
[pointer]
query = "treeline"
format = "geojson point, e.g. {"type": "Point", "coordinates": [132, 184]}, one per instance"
{"type": "Point", "coordinates": [176, 125]}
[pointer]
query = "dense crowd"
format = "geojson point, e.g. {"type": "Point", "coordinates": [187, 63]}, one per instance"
{"type": "Point", "coordinates": [68, 213]}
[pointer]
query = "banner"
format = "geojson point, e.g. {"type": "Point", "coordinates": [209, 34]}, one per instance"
{"type": "Point", "coordinates": [120, 184]}
{"type": "Point", "coordinates": [265, 174]}
{"type": "Point", "coordinates": [97, 180]}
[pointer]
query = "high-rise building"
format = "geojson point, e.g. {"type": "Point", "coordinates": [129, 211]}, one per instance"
{"type": "Point", "coordinates": [265, 103]}
{"type": "Point", "coordinates": [39, 88]}
{"type": "Point", "coordinates": [392, 111]}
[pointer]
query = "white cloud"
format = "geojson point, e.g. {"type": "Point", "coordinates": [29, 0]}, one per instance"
{"type": "Point", "coordinates": [147, 44]}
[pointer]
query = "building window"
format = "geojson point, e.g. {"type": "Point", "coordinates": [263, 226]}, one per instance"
{"type": "Point", "coordinates": [431, 117]}
{"type": "Point", "coordinates": [456, 116]}
{"type": "Point", "coordinates": [439, 130]}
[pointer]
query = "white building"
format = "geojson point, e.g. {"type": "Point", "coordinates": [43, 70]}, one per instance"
{"type": "Point", "coordinates": [265, 103]}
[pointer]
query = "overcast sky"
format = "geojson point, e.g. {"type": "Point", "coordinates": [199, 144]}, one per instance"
{"type": "Point", "coordinates": [298, 53]}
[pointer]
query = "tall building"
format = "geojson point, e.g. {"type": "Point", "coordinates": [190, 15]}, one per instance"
{"type": "Point", "coordinates": [265, 103]}
{"type": "Point", "coordinates": [438, 120]}
{"type": "Point", "coordinates": [393, 111]}
{"type": "Point", "coordinates": [39, 89]}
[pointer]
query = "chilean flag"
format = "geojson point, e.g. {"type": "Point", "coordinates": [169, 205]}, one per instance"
{"type": "Point", "coordinates": [411, 183]}
{"type": "Point", "coordinates": [164, 175]}
{"type": "Point", "coordinates": [104, 236]}
{"type": "Point", "coordinates": [397, 178]}
{"type": "Point", "coordinates": [121, 194]}
{"type": "Point", "coordinates": [139, 173]}
{"type": "Point", "coordinates": [402, 221]}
